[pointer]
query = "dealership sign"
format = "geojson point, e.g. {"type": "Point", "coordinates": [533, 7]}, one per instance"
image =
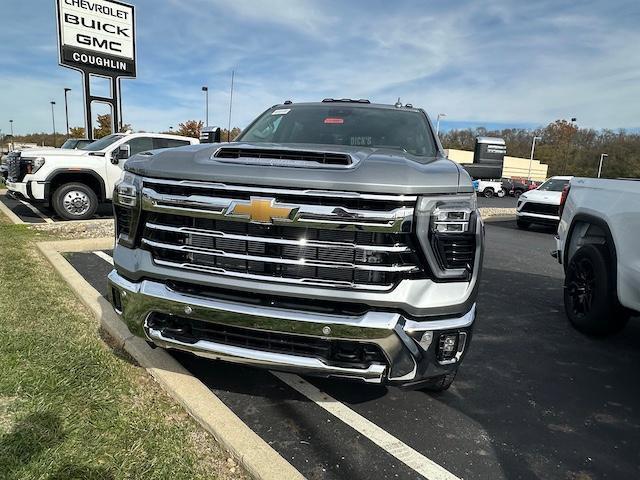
{"type": "Point", "coordinates": [97, 36]}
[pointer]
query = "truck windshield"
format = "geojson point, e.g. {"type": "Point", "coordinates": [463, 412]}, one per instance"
{"type": "Point", "coordinates": [69, 144]}
{"type": "Point", "coordinates": [553, 185]}
{"type": "Point", "coordinates": [103, 143]}
{"type": "Point", "coordinates": [372, 127]}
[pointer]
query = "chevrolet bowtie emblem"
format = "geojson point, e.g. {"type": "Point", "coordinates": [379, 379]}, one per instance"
{"type": "Point", "coordinates": [262, 210]}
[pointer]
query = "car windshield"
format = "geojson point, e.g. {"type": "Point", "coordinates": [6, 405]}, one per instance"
{"type": "Point", "coordinates": [553, 185]}
{"type": "Point", "coordinates": [69, 144]}
{"type": "Point", "coordinates": [373, 127]}
{"type": "Point", "coordinates": [102, 143]}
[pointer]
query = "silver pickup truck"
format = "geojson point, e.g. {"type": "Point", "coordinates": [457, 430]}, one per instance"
{"type": "Point", "coordinates": [331, 238]}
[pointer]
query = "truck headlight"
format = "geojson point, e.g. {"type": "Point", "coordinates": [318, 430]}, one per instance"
{"type": "Point", "coordinates": [448, 234]}
{"type": "Point", "coordinates": [126, 207]}
{"type": "Point", "coordinates": [34, 164]}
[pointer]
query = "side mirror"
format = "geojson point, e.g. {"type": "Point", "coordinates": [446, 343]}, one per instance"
{"type": "Point", "coordinates": [123, 152]}
{"type": "Point", "coordinates": [211, 135]}
{"type": "Point", "coordinates": [488, 158]}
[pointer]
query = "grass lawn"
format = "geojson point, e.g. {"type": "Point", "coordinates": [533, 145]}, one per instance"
{"type": "Point", "coordinates": [71, 407]}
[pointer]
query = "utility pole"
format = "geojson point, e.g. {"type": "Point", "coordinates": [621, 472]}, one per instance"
{"type": "Point", "coordinates": [205, 89]}
{"type": "Point", "coordinates": [533, 149]}
{"type": "Point", "coordinates": [230, 106]}
{"type": "Point", "coordinates": [600, 166]}
{"type": "Point", "coordinates": [66, 108]}
{"type": "Point", "coordinates": [440, 115]}
{"type": "Point", "coordinates": [13, 145]}
{"type": "Point", "coordinates": [53, 119]}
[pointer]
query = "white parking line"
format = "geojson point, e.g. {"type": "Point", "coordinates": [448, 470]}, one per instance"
{"type": "Point", "coordinates": [34, 210]}
{"type": "Point", "coordinates": [107, 258]}
{"type": "Point", "coordinates": [407, 455]}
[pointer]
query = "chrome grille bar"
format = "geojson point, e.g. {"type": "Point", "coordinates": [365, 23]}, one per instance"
{"type": "Point", "coordinates": [300, 281]}
{"type": "Point", "coordinates": [316, 216]}
{"type": "Point", "coordinates": [280, 241]}
{"type": "Point", "coordinates": [285, 261]}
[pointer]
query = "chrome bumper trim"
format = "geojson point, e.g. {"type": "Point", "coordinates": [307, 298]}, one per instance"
{"type": "Point", "coordinates": [216, 351]}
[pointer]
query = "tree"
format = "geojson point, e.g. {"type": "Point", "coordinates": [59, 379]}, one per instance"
{"type": "Point", "coordinates": [76, 132]}
{"type": "Point", "coordinates": [190, 128]}
{"type": "Point", "coordinates": [104, 126]}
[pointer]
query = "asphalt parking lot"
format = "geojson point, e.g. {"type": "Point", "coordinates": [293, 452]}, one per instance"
{"type": "Point", "coordinates": [533, 399]}
{"type": "Point", "coordinates": [35, 213]}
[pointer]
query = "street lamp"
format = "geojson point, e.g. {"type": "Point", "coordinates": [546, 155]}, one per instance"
{"type": "Point", "coordinates": [53, 119]}
{"type": "Point", "coordinates": [13, 146]}
{"type": "Point", "coordinates": [533, 149]}
{"type": "Point", "coordinates": [66, 108]}
{"type": "Point", "coordinates": [440, 115]}
{"type": "Point", "coordinates": [205, 89]}
{"type": "Point", "coordinates": [600, 166]}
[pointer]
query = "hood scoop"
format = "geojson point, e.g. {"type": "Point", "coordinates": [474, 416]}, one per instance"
{"type": "Point", "coordinates": [284, 157]}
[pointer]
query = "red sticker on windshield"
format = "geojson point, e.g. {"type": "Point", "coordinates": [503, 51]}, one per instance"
{"type": "Point", "coordinates": [334, 120]}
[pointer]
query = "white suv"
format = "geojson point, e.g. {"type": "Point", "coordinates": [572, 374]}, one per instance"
{"type": "Point", "coordinates": [74, 182]}
{"type": "Point", "coordinates": [541, 206]}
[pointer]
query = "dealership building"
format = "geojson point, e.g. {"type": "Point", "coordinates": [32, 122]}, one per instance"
{"type": "Point", "coordinates": [514, 167]}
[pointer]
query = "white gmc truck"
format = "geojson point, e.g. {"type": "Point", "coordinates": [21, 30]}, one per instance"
{"type": "Point", "coordinates": [75, 182]}
{"type": "Point", "coordinates": [598, 244]}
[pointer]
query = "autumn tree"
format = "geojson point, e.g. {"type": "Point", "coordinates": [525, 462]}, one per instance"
{"type": "Point", "coordinates": [76, 132]}
{"type": "Point", "coordinates": [190, 128]}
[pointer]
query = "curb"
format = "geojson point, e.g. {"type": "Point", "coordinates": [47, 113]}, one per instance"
{"type": "Point", "coordinates": [498, 218]}
{"type": "Point", "coordinates": [256, 456]}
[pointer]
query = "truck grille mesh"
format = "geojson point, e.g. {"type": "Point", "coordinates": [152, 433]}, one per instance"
{"type": "Point", "coordinates": [339, 250]}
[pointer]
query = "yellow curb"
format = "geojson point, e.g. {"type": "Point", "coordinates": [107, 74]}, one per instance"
{"type": "Point", "coordinates": [257, 457]}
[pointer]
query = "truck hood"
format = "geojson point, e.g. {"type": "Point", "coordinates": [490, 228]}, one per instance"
{"type": "Point", "coordinates": [52, 153]}
{"type": "Point", "coordinates": [376, 170]}
{"type": "Point", "coordinates": [542, 196]}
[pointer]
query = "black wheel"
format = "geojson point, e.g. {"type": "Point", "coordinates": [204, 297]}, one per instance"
{"type": "Point", "coordinates": [590, 299]}
{"type": "Point", "coordinates": [488, 192]}
{"type": "Point", "coordinates": [439, 384]}
{"type": "Point", "coordinates": [517, 193]}
{"type": "Point", "coordinates": [75, 201]}
{"type": "Point", "coordinates": [522, 224]}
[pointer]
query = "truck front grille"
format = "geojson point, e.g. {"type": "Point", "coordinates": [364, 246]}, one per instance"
{"type": "Point", "coordinates": [541, 208]}
{"type": "Point", "coordinates": [17, 167]}
{"type": "Point", "coordinates": [326, 242]}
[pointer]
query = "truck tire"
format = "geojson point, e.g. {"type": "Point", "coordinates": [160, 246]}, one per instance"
{"type": "Point", "coordinates": [522, 224]}
{"type": "Point", "coordinates": [75, 201]}
{"type": "Point", "coordinates": [590, 299]}
{"type": "Point", "coordinates": [439, 384]}
{"type": "Point", "coordinates": [517, 193]}
{"type": "Point", "coordinates": [488, 192]}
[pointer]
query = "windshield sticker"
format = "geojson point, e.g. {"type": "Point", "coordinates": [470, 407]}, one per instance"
{"type": "Point", "coordinates": [281, 111]}
{"type": "Point", "coordinates": [361, 141]}
{"type": "Point", "coordinates": [336, 121]}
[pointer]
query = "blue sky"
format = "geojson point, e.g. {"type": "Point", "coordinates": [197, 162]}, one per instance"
{"type": "Point", "coordinates": [493, 63]}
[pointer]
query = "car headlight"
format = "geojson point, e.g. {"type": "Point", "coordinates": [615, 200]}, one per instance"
{"type": "Point", "coordinates": [126, 190]}
{"type": "Point", "coordinates": [447, 228]}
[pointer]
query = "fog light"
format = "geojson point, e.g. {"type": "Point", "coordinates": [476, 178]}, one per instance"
{"type": "Point", "coordinates": [451, 346]}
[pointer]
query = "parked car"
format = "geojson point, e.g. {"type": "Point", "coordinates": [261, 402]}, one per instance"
{"type": "Point", "coordinates": [597, 243]}
{"type": "Point", "coordinates": [324, 240]}
{"type": "Point", "coordinates": [541, 206]}
{"type": "Point", "coordinates": [74, 182]}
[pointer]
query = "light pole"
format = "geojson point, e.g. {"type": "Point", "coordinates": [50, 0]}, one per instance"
{"type": "Point", "coordinates": [53, 120]}
{"type": "Point", "coordinates": [13, 145]}
{"type": "Point", "coordinates": [205, 89]}
{"type": "Point", "coordinates": [600, 166]}
{"type": "Point", "coordinates": [440, 115]}
{"type": "Point", "coordinates": [533, 149]}
{"type": "Point", "coordinates": [66, 108]}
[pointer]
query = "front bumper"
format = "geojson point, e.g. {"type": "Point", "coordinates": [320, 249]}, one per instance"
{"type": "Point", "coordinates": [408, 357]}
{"type": "Point", "coordinates": [30, 190]}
